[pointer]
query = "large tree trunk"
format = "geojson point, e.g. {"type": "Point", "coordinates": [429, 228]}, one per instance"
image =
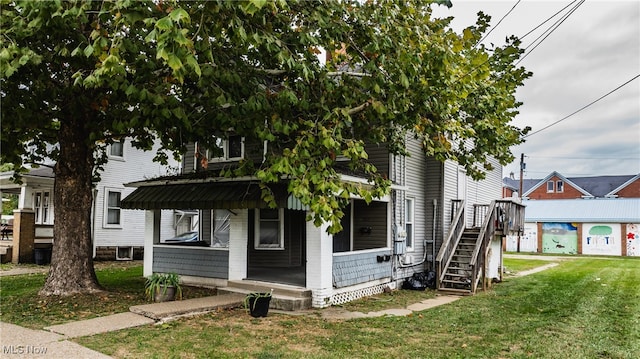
{"type": "Point", "coordinates": [71, 269]}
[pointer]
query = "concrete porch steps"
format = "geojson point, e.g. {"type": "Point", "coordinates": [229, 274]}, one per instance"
{"type": "Point", "coordinates": [284, 297]}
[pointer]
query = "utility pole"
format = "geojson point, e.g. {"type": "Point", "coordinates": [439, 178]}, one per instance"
{"type": "Point", "coordinates": [522, 167]}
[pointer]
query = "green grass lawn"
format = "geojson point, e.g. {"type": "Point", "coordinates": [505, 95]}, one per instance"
{"type": "Point", "coordinates": [586, 308]}
{"type": "Point", "coordinates": [582, 308]}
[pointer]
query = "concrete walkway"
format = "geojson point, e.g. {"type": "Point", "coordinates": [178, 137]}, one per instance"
{"type": "Point", "coordinates": [19, 342]}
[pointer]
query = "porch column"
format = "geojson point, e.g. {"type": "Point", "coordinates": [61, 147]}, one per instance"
{"type": "Point", "coordinates": [238, 241]}
{"type": "Point", "coordinates": [24, 234]}
{"type": "Point", "coordinates": [151, 237]}
{"type": "Point", "coordinates": [319, 264]}
{"type": "Point", "coordinates": [25, 200]}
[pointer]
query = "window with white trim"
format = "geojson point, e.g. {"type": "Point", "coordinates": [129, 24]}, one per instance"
{"type": "Point", "coordinates": [269, 229]}
{"type": "Point", "coordinates": [42, 207]}
{"type": "Point", "coordinates": [409, 218]}
{"type": "Point", "coordinates": [116, 150]}
{"type": "Point", "coordinates": [112, 211]}
{"type": "Point", "coordinates": [559, 186]}
{"type": "Point", "coordinates": [550, 186]}
{"type": "Point", "coordinates": [230, 149]}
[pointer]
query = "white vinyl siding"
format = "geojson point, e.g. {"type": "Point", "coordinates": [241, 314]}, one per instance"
{"type": "Point", "coordinates": [138, 166]}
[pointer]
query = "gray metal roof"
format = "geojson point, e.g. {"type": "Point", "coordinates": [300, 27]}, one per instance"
{"type": "Point", "coordinates": [597, 186]}
{"type": "Point", "coordinates": [596, 210]}
{"type": "Point", "coordinates": [227, 195]}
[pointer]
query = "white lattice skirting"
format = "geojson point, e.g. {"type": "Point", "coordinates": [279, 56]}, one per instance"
{"type": "Point", "coordinates": [341, 298]}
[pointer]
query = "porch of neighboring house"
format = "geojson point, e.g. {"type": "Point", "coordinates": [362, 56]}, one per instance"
{"type": "Point", "coordinates": [28, 235]}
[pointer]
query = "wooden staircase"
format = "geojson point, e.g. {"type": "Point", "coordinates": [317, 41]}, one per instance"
{"type": "Point", "coordinates": [458, 274]}
{"type": "Point", "coordinates": [463, 256]}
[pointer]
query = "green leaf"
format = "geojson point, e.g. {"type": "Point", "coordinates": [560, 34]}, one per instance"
{"type": "Point", "coordinates": [164, 24]}
{"type": "Point", "coordinates": [88, 50]}
{"type": "Point", "coordinates": [179, 14]}
{"type": "Point", "coordinates": [404, 81]}
{"type": "Point", "coordinates": [193, 63]}
{"type": "Point", "coordinates": [174, 62]}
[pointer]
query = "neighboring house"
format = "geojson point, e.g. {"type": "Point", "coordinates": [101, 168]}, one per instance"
{"type": "Point", "coordinates": [557, 186]}
{"type": "Point", "coordinates": [117, 233]}
{"type": "Point", "coordinates": [580, 215]}
{"type": "Point", "coordinates": [245, 246]}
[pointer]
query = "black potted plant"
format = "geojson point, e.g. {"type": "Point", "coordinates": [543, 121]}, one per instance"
{"type": "Point", "coordinates": [162, 287]}
{"type": "Point", "coordinates": [258, 303]}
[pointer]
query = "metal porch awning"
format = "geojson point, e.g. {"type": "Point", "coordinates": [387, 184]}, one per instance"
{"type": "Point", "coordinates": [212, 195]}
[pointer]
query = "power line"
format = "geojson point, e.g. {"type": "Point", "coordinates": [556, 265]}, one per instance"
{"type": "Point", "coordinates": [549, 31]}
{"type": "Point", "coordinates": [583, 107]}
{"type": "Point", "coordinates": [586, 158]}
{"type": "Point", "coordinates": [552, 28]}
{"type": "Point", "coordinates": [547, 20]}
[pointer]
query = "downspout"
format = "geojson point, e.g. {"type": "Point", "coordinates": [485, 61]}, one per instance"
{"type": "Point", "coordinates": [93, 222]}
{"type": "Point", "coordinates": [433, 235]}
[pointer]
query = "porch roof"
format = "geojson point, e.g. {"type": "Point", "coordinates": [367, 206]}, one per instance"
{"type": "Point", "coordinates": [210, 195]}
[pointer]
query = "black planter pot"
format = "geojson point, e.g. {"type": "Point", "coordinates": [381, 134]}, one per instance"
{"type": "Point", "coordinates": [258, 306]}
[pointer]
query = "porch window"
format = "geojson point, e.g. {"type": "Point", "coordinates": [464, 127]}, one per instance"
{"type": "Point", "coordinates": [230, 149]}
{"type": "Point", "coordinates": [408, 222]}
{"type": "Point", "coordinates": [364, 226]}
{"type": "Point", "coordinates": [112, 211]}
{"type": "Point", "coordinates": [342, 239]}
{"type": "Point", "coordinates": [550, 186]}
{"type": "Point", "coordinates": [221, 228]}
{"type": "Point", "coordinates": [269, 229]}
{"type": "Point", "coordinates": [42, 207]}
{"type": "Point", "coordinates": [559, 186]}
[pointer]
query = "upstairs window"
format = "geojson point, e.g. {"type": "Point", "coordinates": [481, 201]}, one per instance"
{"type": "Point", "coordinates": [550, 186]}
{"type": "Point", "coordinates": [559, 186]}
{"type": "Point", "coordinates": [230, 149]}
{"type": "Point", "coordinates": [116, 149]}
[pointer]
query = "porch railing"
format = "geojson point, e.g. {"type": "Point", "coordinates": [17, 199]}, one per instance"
{"type": "Point", "coordinates": [451, 242]}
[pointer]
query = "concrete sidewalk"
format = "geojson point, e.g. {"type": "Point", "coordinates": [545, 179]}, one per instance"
{"type": "Point", "coordinates": [19, 342]}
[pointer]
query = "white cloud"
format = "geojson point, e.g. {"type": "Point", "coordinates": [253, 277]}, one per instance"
{"type": "Point", "coordinates": [594, 51]}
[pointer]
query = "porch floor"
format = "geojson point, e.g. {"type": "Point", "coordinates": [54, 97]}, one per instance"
{"type": "Point", "coordinates": [287, 275]}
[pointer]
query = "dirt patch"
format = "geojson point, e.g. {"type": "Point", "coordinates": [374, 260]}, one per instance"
{"type": "Point", "coordinates": [100, 265]}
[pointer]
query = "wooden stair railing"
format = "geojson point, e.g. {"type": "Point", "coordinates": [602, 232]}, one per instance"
{"type": "Point", "coordinates": [462, 264]}
{"type": "Point", "coordinates": [447, 250]}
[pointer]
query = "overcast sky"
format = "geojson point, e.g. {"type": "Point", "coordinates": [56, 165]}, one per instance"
{"type": "Point", "coordinates": [594, 51]}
